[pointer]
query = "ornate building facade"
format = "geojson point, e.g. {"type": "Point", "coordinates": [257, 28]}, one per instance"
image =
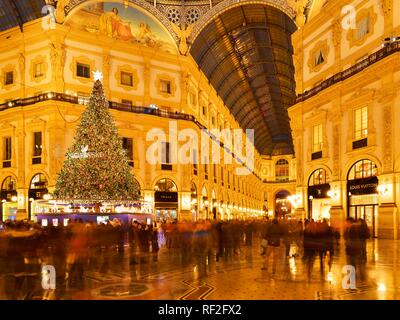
{"type": "Point", "coordinates": [46, 78]}
{"type": "Point", "coordinates": [345, 121]}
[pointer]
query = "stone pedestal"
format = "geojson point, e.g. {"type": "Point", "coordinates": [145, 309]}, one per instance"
{"type": "Point", "coordinates": [387, 214]}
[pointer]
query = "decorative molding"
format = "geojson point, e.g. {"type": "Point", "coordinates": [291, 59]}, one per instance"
{"type": "Point", "coordinates": [83, 60]}
{"type": "Point", "coordinates": [336, 151]}
{"type": "Point", "coordinates": [321, 46]}
{"type": "Point", "coordinates": [165, 77]}
{"type": "Point", "coordinates": [361, 15]}
{"type": "Point", "coordinates": [34, 62]}
{"type": "Point", "coordinates": [8, 68]}
{"type": "Point", "coordinates": [229, 4]}
{"type": "Point", "coordinates": [6, 126]}
{"type": "Point", "coordinates": [128, 69]}
{"type": "Point", "coordinates": [57, 57]}
{"type": "Point", "coordinates": [387, 132]}
{"type": "Point", "coordinates": [149, 7]}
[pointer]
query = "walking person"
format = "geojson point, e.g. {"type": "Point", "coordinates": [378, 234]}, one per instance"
{"type": "Point", "coordinates": [274, 234]}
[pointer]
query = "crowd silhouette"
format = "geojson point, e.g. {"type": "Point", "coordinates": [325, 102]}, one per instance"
{"type": "Point", "coordinates": [81, 246]}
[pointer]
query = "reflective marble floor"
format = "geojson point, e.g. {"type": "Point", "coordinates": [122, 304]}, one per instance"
{"type": "Point", "coordinates": [236, 277]}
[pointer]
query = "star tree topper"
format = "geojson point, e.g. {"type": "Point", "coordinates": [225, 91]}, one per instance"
{"type": "Point", "coordinates": [97, 75]}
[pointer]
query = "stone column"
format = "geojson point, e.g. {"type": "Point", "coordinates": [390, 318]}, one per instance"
{"type": "Point", "coordinates": [106, 73]}
{"type": "Point", "coordinates": [147, 84]}
{"type": "Point", "coordinates": [387, 213]}
{"type": "Point", "coordinates": [337, 213]}
{"type": "Point", "coordinates": [22, 204]}
{"type": "Point", "coordinates": [184, 206]}
{"type": "Point", "coordinates": [22, 187]}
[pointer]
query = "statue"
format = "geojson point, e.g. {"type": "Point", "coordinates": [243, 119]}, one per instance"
{"type": "Point", "coordinates": [57, 56]}
{"type": "Point", "coordinates": [299, 7]}
{"type": "Point", "coordinates": [183, 34]}
{"type": "Point", "coordinates": [60, 10]}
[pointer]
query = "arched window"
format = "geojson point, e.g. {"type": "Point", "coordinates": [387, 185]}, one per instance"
{"type": "Point", "coordinates": [9, 184]}
{"type": "Point", "coordinates": [204, 192]}
{"type": "Point", "coordinates": [166, 185]}
{"type": "Point", "coordinates": [193, 190]}
{"type": "Point", "coordinates": [362, 169]}
{"type": "Point", "coordinates": [137, 185]}
{"type": "Point", "coordinates": [39, 181]}
{"type": "Point", "coordinates": [282, 170]}
{"type": "Point", "coordinates": [318, 177]}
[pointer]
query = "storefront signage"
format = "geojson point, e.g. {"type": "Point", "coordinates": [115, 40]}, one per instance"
{"type": "Point", "coordinates": [319, 191]}
{"type": "Point", "coordinates": [160, 196]}
{"type": "Point", "coordinates": [363, 186]}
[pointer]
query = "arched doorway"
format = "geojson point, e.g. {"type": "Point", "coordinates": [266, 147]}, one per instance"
{"type": "Point", "coordinates": [319, 202]}
{"type": "Point", "coordinates": [9, 206]}
{"type": "Point", "coordinates": [37, 190]}
{"type": "Point", "coordinates": [204, 203]}
{"type": "Point", "coordinates": [166, 200]}
{"type": "Point", "coordinates": [194, 205]}
{"type": "Point", "coordinates": [283, 206]}
{"type": "Point", "coordinates": [137, 185]}
{"type": "Point", "coordinates": [362, 193]}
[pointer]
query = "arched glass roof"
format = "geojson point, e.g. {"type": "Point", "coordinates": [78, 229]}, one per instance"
{"type": "Point", "coordinates": [15, 13]}
{"type": "Point", "coordinates": [246, 53]}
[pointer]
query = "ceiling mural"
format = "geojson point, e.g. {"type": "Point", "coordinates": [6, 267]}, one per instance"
{"type": "Point", "coordinates": [123, 23]}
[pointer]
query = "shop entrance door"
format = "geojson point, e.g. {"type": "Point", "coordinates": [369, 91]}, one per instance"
{"type": "Point", "coordinates": [366, 212]}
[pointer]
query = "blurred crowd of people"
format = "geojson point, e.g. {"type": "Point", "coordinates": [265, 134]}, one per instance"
{"type": "Point", "coordinates": [26, 246]}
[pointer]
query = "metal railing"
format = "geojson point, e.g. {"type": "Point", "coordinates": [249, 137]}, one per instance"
{"type": "Point", "coordinates": [358, 67]}
{"type": "Point", "coordinates": [63, 97]}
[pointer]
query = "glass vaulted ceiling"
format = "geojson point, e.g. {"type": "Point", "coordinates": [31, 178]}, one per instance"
{"type": "Point", "coordinates": [15, 13]}
{"type": "Point", "coordinates": [246, 53]}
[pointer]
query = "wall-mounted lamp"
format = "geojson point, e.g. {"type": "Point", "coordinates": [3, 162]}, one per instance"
{"type": "Point", "coordinates": [14, 198]}
{"type": "Point", "coordinates": [382, 189]}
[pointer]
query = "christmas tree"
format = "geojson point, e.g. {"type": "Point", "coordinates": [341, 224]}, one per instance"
{"type": "Point", "coordinates": [96, 167]}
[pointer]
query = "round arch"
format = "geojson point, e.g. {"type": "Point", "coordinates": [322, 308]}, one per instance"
{"type": "Point", "coordinates": [6, 175]}
{"type": "Point", "coordinates": [165, 185]}
{"type": "Point", "coordinates": [362, 192]}
{"type": "Point", "coordinates": [282, 204]}
{"type": "Point", "coordinates": [224, 6]}
{"type": "Point", "coordinates": [321, 166]}
{"type": "Point", "coordinates": [353, 160]}
{"type": "Point", "coordinates": [163, 176]}
{"type": "Point", "coordinates": [141, 5]}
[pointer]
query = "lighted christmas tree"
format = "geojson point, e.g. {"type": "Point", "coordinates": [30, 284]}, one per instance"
{"type": "Point", "coordinates": [96, 167]}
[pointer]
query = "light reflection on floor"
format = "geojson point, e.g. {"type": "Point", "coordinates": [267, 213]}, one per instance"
{"type": "Point", "coordinates": [239, 277]}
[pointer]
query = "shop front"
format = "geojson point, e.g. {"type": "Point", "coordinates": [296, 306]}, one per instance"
{"type": "Point", "coordinates": [8, 195]}
{"type": "Point", "coordinates": [362, 194]}
{"type": "Point", "coordinates": [37, 192]}
{"type": "Point", "coordinates": [319, 202]}
{"type": "Point", "coordinates": [166, 200]}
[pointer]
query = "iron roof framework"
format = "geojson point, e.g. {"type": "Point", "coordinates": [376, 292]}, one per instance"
{"type": "Point", "coordinates": [14, 13]}
{"type": "Point", "coordinates": [246, 53]}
